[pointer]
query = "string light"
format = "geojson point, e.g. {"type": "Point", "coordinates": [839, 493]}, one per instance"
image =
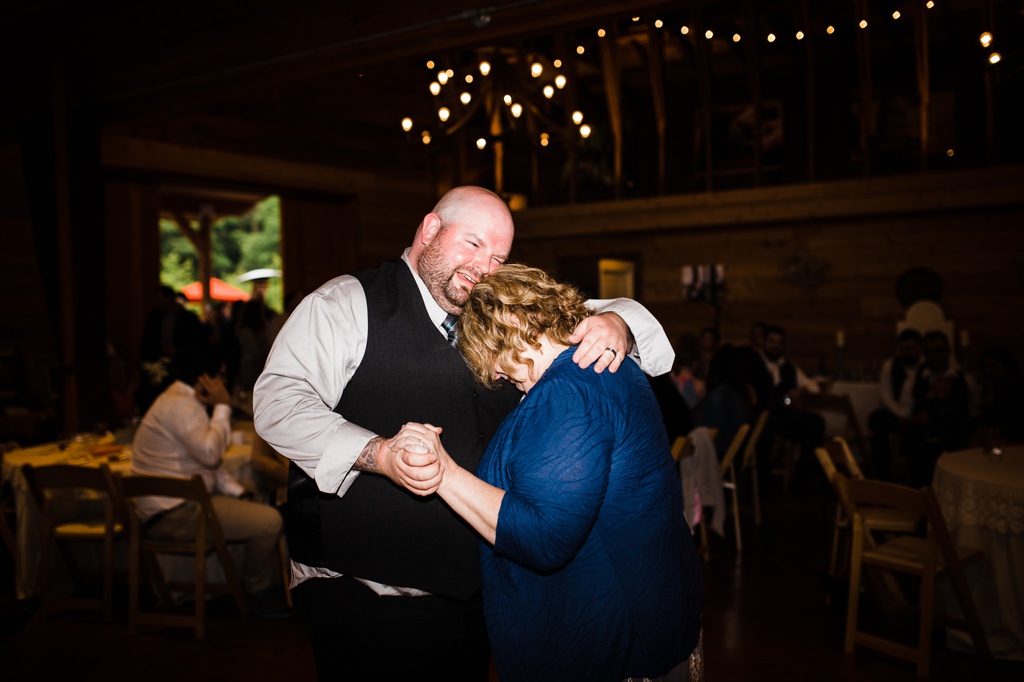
{"type": "Point", "coordinates": [559, 81]}
{"type": "Point", "coordinates": [830, 30]}
{"type": "Point", "coordinates": [465, 98]}
{"type": "Point", "coordinates": [994, 58]}
{"type": "Point", "coordinates": [986, 39]}
{"type": "Point", "coordinates": [929, 4]}
{"type": "Point", "coordinates": [549, 91]}
{"type": "Point", "coordinates": [799, 35]}
{"type": "Point", "coordinates": [442, 77]}
{"type": "Point", "coordinates": [435, 88]}
{"type": "Point", "coordinates": [557, 63]}
{"type": "Point", "coordinates": [443, 113]}
{"type": "Point", "coordinates": [896, 14]}
{"type": "Point", "coordinates": [949, 152]}
{"type": "Point", "coordinates": [485, 68]}
{"type": "Point", "coordinates": [600, 33]}
{"type": "Point", "coordinates": [709, 34]}
{"type": "Point", "coordinates": [863, 23]}
{"type": "Point", "coordinates": [430, 64]}
{"type": "Point", "coordinates": [684, 30]}
{"type": "Point", "coordinates": [406, 124]}
{"type": "Point", "coordinates": [544, 139]}
{"type": "Point", "coordinates": [579, 49]}
{"type": "Point", "coordinates": [451, 73]}
{"type": "Point", "coordinates": [481, 143]}
{"type": "Point", "coordinates": [469, 78]}
{"type": "Point", "coordinates": [425, 136]}
{"type": "Point", "coordinates": [636, 18]}
{"type": "Point", "coordinates": [517, 109]}
{"type": "Point", "coordinates": [536, 69]}
{"type": "Point", "coordinates": [585, 130]}
{"type": "Point", "coordinates": [507, 99]}
{"type": "Point", "coordinates": [735, 37]}
{"type": "Point", "coordinates": [658, 23]}
{"type": "Point", "coordinates": [577, 117]}
{"type": "Point", "coordinates": [771, 37]}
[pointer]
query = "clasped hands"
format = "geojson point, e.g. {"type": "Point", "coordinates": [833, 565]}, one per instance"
{"type": "Point", "coordinates": [415, 459]}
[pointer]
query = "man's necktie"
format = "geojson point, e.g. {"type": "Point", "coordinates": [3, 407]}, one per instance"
{"type": "Point", "coordinates": [449, 328]}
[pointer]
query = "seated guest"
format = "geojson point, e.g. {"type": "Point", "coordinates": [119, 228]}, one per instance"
{"type": "Point", "coordinates": [177, 438]}
{"type": "Point", "coordinates": [779, 388]}
{"type": "Point", "coordinates": [729, 402]}
{"type": "Point", "coordinates": [939, 422]}
{"type": "Point", "coordinates": [589, 570]}
{"type": "Point", "coordinates": [896, 391]}
{"type": "Point", "coordinates": [1002, 396]}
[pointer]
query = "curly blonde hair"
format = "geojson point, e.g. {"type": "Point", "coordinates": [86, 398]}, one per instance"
{"type": "Point", "coordinates": [511, 309]}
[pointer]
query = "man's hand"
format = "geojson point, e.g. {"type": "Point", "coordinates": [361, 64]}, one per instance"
{"type": "Point", "coordinates": [604, 341]}
{"type": "Point", "coordinates": [211, 391]}
{"type": "Point", "coordinates": [408, 462]}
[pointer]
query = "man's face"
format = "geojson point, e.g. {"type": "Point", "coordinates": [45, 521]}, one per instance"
{"type": "Point", "coordinates": [458, 257]}
{"type": "Point", "coordinates": [909, 351]}
{"type": "Point", "coordinates": [936, 355]}
{"type": "Point", "coordinates": [774, 346]}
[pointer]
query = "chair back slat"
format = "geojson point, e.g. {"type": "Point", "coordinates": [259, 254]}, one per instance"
{"type": "Point", "coordinates": [750, 451]}
{"type": "Point", "coordinates": [726, 465]}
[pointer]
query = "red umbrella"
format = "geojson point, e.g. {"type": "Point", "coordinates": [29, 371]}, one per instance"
{"type": "Point", "coordinates": [219, 291]}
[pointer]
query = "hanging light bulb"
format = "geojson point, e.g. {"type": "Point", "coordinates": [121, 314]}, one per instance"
{"type": "Point", "coordinates": [557, 63]}
{"type": "Point", "coordinates": [658, 23]}
{"type": "Point", "coordinates": [684, 30]}
{"type": "Point", "coordinates": [799, 35]}
{"type": "Point", "coordinates": [549, 91]}
{"type": "Point", "coordinates": [559, 81]}
{"type": "Point", "coordinates": [430, 64]}
{"type": "Point", "coordinates": [536, 69]}
{"type": "Point", "coordinates": [994, 58]}
{"type": "Point", "coordinates": [985, 39]}
{"type": "Point", "coordinates": [577, 117]}
{"type": "Point", "coordinates": [451, 73]}
{"type": "Point", "coordinates": [442, 77]}
{"type": "Point", "coordinates": [771, 37]}
{"type": "Point", "coordinates": [863, 23]}
{"type": "Point", "coordinates": [600, 33]}
{"type": "Point", "coordinates": [929, 4]}
{"type": "Point", "coordinates": [406, 124]}
{"type": "Point", "coordinates": [485, 68]}
{"type": "Point", "coordinates": [507, 99]}
{"type": "Point", "coordinates": [544, 139]}
{"type": "Point", "coordinates": [425, 136]}
{"type": "Point", "coordinates": [443, 113]}
{"type": "Point", "coordinates": [709, 34]}
{"type": "Point", "coordinates": [435, 88]}
{"type": "Point", "coordinates": [469, 78]}
{"type": "Point", "coordinates": [481, 143]}
{"type": "Point", "coordinates": [585, 130]}
{"type": "Point", "coordinates": [896, 14]}
{"type": "Point", "coordinates": [465, 98]}
{"type": "Point", "coordinates": [579, 49]}
{"type": "Point", "coordinates": [517, 109]}
{"type": "Point", "coordinates": [735, 37]}
{"type": "Point", "coordinates": [830, 30]}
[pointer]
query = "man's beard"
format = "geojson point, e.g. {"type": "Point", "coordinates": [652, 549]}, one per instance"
{"type": "Point", "coordinates": [440, 280]}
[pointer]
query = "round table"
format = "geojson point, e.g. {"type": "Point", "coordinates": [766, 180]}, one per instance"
{"type": "Point", "coordinates": [982, 500]}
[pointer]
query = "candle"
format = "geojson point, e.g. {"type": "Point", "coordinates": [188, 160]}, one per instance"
{"type": "Point", "coordinates": [840, 339]}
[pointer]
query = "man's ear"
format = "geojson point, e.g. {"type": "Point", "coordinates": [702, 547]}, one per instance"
{"type": "Point", "coordinates": [431, 228]}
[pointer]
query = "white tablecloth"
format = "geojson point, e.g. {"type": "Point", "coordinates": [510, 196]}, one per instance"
{"type": "Point", "coordinates": [28, 530]}
{"type": "Point", "coordinates": [863, 397]}
{"type": "Point", "coordinates": [982, 500]}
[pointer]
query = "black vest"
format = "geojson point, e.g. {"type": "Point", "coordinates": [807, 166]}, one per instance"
{"type": "Point", "coordinates": [378, 531]}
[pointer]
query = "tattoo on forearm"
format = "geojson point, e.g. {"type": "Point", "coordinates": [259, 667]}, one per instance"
{"type": "Point", "coordinates": [367, 460]}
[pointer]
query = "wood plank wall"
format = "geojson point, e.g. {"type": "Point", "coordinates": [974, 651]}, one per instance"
{"type": "Point", "coordinates": [966, 227]}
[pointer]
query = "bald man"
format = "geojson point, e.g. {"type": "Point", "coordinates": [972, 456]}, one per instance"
{"type": "Point", "coordinates": [387, 582]}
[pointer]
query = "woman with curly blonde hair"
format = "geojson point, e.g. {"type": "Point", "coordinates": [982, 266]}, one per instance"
{"type": "Point", "coordinates": [589, 569]}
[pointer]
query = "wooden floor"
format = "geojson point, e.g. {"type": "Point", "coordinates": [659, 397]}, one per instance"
{"type": "Point", "coordinates": [765, 618]}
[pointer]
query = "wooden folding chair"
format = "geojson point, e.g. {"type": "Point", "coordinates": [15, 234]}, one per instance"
{"type": "Point", "coordinates": [728, 469]}
{"type": "Point", "coordinates": [837, 460]}
{"type": "Point", "coordinates": [208, 539]}
{"type": "Point", "coordinates": [749, 464]}
{"type": "Point", "coordinates": [75, 490]}
{"type": "Point", "coordinates": [930, 556]}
